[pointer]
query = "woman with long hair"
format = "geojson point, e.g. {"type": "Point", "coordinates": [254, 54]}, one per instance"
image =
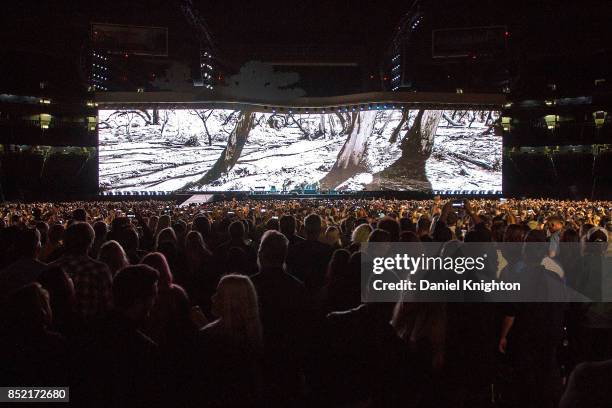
{"type": "Point", "coordinates": [196, 250]}
{"type": "Point", "coordinates": [231, 345]}
{"type": "Point", "coordinates": [173, 324]}
{"type": "Point", "coordinates": [201, 277]}
{"type": "Point", "coordinates": [171, 316]}
{"type": "Point", "coordinates": [112, 254]}
{"type": "Point", "coordinates": [167, 243]}
{"type": "Point", "coordinates": [236, 306]}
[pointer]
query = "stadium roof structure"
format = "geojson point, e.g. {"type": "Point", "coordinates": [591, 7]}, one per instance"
{"type": "Point", "coordinates": [370, 100]}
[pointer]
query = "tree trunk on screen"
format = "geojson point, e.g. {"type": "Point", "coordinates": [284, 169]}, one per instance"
{"type": "Point", "coordinates": [419, 141]}
{"type": "Point", "coordinates": [163, 119]}
{"type": "Point", "coordinates": [322, 129]}
{"type": "Point", "coordinates": [400, 125]}
{"type": "Point", "coordinates": [230, 155]}
{"type": "Point", "coordinates": [345, 121]}
{"type": "Point", "coordinates": [298, 123]}
{"type": "Point", "coordinates": [387, 120]}
{"type": "Point", "coordinates": [450, 120]}
{"type": "Point", "coordinates": [408, 172]}
{"type": "Point", "coordinates": [331, 122]}
{"type": "Point", "coordinates": [204, 115]}
{"type": "Point", "coordinates": [350, 159]}
{"type": "Point", "coordinates": [164, 123]}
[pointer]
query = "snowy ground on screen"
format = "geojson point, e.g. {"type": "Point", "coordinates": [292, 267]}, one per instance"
{"type": "Point", "coordinates": [280, 156]}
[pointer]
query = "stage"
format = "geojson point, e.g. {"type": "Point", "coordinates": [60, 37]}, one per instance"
{"type": "Point", "coordinates": [185, 198]}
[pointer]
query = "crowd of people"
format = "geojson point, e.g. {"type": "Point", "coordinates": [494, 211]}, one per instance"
{"type": "Point", "coordinates": [258, 302]}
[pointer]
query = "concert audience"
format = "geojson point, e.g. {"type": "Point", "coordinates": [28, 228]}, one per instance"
{"type": "Point", "coordinates": [258, 302]}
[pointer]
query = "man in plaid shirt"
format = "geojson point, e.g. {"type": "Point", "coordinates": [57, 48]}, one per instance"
{"type": "Point", "coordinates": [92, 279]}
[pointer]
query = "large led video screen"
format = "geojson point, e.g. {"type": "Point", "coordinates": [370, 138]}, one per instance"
{"type": "Point", "coordinates": [355, 150]}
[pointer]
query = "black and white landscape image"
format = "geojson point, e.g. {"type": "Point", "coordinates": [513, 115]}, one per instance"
{"type": "Point", "coordinates": [223, 150]}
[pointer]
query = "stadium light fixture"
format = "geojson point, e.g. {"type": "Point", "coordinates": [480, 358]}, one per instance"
{"type": "Point", "coordinates": [551, 121]}
{"type": "Point", "coordinates": [45, 120]}
{"type": "Point", "coordinates": [506, 123]}
{"type": "Point", "coordinates": [600, 118]}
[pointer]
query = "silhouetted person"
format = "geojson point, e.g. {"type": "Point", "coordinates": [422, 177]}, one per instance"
{"type": "Point", "coordinates": [130, 241]}
{"type": "Point", "coordinates": [201, 224]}
{"type": "Point", "coordinates": [58, 284]}
{"type": "Point", "coordinates": [288, 228]}
{"type": "Point", "coordinates": [30, 353]}
{"type": "Point", "coordinates": [203, 271]}
{"type": "Point", "coordinates": [281, 302]}
{"type": "Point", "coordinates": [391, 226]}
{"type": "Point", "coordinates": [79, 215]}
{"type": "Point", "coordinates": [100, 231]}
{"type": "Point", "coordinates": [308, 260]}
{"type": "Point", "coordinates": [532, 332]}
{"type": "Point", "coordinates": [343, 290]}
{"type": "Point", "coordinates": [27, 268]}
{"type": "Point", "coordinates": [231, 347]}
{"type": "Point", "coordinates": [360, 235]}
{"type": "Point", "coordinates": [112, 254]}
{"type": "Point", "coordinates": [92, 279]}
{"type": "Point", "coordinates": [596, 323]}
{"type": "Point", "coordinates": [122, 363]}
{"type": "Point", "coordinates": [53, 249]}
{"type": "Point", "coordinates": [237, 239]}
{"type": "Point", "coordinates": [169, 324]}
{"type": "Point", "coordinates": [359, 359]}
{"type": "Point", "coordinates": [589, 386]}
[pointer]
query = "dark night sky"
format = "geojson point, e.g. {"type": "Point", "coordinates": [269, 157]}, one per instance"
{"type": "Point", "coordinates": [332, 22]}
{"type": "Point", "coordinates": [60, 27]}
{"type": "Point", "coordinates": [304, 22]}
